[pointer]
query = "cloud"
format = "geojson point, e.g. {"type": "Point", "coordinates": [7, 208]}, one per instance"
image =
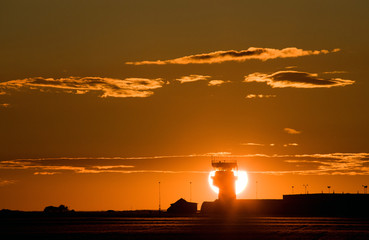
{"type": "Point", "coordinates": [45, 173]}
{"type": "Point", "coordinates": [108, 87]}
{"type": "Point", "coordinates": [291, 131]}
{"type": "Point", "coordinates": [252, 144]}
{"type": "Point", "coordinates": [296, 79]}
{"type": "Point", "coordinates": [239, 56]}
{"type": "Point", "coordinates": [335, 72]}
{"type": "Point", "coordinates": [290, 67]}
{"type": "Point", "coordinates": [335, 163]}
{"type": "Point", "coordinates": [290, 145]}
{"type": "Point", "coordinates": [47, 167]}
{"type": "Point", "coordinates": [260, 96]}
{"type": "Point", "coordinates": [4, 182]}
{"type": "Point", "coordinates": [217, 82]}
{"type": "Point", "coordinates": [196, 77]}
{"type": "Point", "coordinates": [4, 105]}
{"type": "Point", "coordinates": [257, 144]}
{"type": "Point", "coordinates": [276, 164]}
{"type": "Point", "coordinates": [192, 78]}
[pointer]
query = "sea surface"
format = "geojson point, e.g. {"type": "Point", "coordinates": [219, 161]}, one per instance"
{"type": "Point", "coordinates": [183, 228]}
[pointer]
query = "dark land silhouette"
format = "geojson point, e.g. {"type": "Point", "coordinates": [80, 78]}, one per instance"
{"type": "Point", "coordinates": [325, 205]}
{"type": "Point", "coordinates": [300, 216]}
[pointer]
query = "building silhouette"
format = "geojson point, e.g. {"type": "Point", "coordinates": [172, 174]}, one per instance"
{"type": "Point", "coordinates": [182, 207]}
{"type": "Point", "coordinates": [322, 204]}
{"type": "Point", "coordinates": [225, 179]}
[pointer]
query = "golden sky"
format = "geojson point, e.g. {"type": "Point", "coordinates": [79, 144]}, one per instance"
{"type": "Point", "coordinates": [101, 100]}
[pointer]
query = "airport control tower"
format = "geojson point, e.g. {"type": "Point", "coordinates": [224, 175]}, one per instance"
{"type": "Point", "coordinates": [224, 178]}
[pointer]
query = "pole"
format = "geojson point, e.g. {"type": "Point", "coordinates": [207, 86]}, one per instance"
{"type": "Point", "coordinates": [159, 199]}
{"type": "Point", "coordinates": [305, 185]}
{"type": "Point", "coordinates": [190, 191]}
{"type": "Point", "coordinates": [293, 188]}
{"type": "Point", "coordinates": [256, 190]}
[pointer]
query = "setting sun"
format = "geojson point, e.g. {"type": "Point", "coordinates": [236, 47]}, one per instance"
{"type": "Point", "coordinates": [241, 181]}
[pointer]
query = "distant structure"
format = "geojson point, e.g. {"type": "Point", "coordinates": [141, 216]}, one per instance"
{"type": "Point", "coordinates": [317, 205]}
{"type": "Point", "coordinates": [60, 209]}
{"type": "Point", "coordinates": [182, 207]}
{"type": "Point", "coordinates": [224, 178]}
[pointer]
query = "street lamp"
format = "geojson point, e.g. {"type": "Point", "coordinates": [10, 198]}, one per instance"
{"type": "Point", "coordinates": [305, 185]}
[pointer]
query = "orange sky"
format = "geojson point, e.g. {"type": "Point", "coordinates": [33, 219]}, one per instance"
{"type": "Point", "coordinates": [101, 100]}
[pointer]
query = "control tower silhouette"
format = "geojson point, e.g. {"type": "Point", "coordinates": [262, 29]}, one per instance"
{"type": "Point", "coordinates": [224, 178]}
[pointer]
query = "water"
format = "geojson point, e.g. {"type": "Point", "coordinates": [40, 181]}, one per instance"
{"type": "Point", "coordinates": [183, 228]}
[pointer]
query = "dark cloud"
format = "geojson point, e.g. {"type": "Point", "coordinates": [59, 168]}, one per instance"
{"type": "Point", "coordinates": [296, 79]}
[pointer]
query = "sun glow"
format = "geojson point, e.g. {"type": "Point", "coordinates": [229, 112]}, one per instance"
{"type": "Point", "coordinates": [241, 181]}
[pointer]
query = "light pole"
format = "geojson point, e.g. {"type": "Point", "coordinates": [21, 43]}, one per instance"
{"type": "Point", "coordinates": [329, 189]}
{"type": "Point", "coordinates": [159, 199]}
{"type": "Point", "coordinates": [190, 191]}
{"type": "Point", "coordinates": [256, 189]}
{"type": "Point", "coordinates": [365, 187]}
{"type": "Point", "coordinates": [305, 185]}
{"type": "Point", "coordinates": [292, 188]}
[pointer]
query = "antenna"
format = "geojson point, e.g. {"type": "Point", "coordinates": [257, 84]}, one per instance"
{"type": "Point", "coordinates": [159, 199]}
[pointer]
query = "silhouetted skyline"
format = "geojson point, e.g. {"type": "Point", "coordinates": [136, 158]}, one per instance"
{"type": "Point", "coordinates": [101, 100]}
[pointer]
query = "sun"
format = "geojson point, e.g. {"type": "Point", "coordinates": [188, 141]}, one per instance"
{"type": "Point", "coordinates": [241, 181]}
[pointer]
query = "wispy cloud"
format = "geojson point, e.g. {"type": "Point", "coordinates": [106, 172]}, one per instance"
{"type": "Point", "coordinates": [291, 131]}
{"type": "Point", "coordinates": [252, 144]}
{"type": "Point", "coordinates": [335, 163]}
{"type": "Point", "coordinates": [290, 145]}
{"type": "Point", "coordinates": [4, 105]}
{"type": "Point", "coordinates": [239, 56]}
{"type": "Point", "coordinates": [335, 72]}
{"type": "Point", "coordinates": [260, 96]}
{"type": "Point", "coordinates": [193, 78]}
{"type": "Point", "coordinates": [257, 144]}
{"type": "Point", "coordinates": [108, 87]}
{"type": "Point", "coordinates": [296, 79]}
{"type": "Point", "coordinates": [196, 77]}
{"type": "Point", "coordinates": [45, 173]}
{"type": "Point", "coordinates": [54, 167]}
{"type": "Point", "coordinates": [4, 182]}
{"type": "Point", "coordinates": [301, 164]}
{"type": "Point", "coordinates": [217, 82]}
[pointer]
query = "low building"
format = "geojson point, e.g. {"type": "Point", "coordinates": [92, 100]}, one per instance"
{"type": "Point", "coordinates": [319, 205]}
{"type": "Point", "coordinates": [182, 207]}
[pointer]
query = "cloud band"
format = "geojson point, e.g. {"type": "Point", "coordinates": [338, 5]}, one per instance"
{"type": "Point", "coordinates": [109, 87]}
{"type": "Point", "coordinates": [296, 79]}
{"type": "Point", "coordinates": [238, 56]}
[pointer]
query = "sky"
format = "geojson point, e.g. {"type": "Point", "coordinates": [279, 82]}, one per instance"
{"type": "Point", "coordinates": [102, 100]}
